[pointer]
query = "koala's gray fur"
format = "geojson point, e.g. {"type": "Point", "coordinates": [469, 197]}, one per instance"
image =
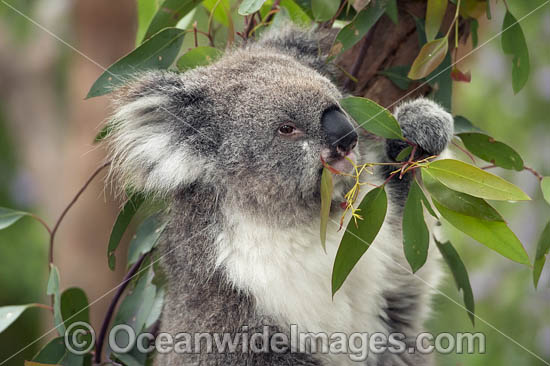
{"type": "Point", "coordinates": [244, 202]}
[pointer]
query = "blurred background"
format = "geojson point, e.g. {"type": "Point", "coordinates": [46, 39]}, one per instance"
{"type": "Point", "coordinates": [49, 56]}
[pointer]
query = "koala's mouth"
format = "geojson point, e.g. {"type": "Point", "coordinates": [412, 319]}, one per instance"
{"type": "Point", "coordinates": [339, 160]}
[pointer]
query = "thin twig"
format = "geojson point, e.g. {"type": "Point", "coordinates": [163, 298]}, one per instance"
{"type": "Point", "coordinates": [110, 311]}
{"type": "Point", "coordinates": [534, 172]}
{"type": "Point", "coordinates": [40, 220]}
{"type": "Point", "coordinates": [464, 151]}
{"type": "Point", "coordinates": [73, 201]}
{"type": "Point", "coordinates": [270, 16]}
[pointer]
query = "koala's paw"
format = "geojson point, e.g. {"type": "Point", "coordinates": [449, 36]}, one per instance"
{"type": "Point", "coordinates": [425, 123]}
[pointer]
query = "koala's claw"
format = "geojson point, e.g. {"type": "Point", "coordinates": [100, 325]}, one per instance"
{"type": "Point", "coordinates": [424, 123]}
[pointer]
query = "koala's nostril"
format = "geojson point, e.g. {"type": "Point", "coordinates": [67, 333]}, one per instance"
{"type": "Point", "coordinates": [339, 131]}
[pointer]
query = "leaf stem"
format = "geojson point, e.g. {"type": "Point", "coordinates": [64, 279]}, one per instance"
{"type": "Point", "coordinates": [71, 204]}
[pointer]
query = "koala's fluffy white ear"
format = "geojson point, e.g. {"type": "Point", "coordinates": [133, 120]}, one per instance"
{"type": "Point", "coordinates": [154, 136]}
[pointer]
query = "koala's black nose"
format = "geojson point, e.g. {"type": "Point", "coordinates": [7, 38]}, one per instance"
{"type": "Point", "coordinates": [339, 131]}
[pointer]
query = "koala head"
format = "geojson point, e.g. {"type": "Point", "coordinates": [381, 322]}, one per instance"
{"type": "Point", "coordinates": [254, 124]}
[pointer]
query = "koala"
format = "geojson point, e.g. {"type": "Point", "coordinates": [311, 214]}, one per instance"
{"type": "Point", "coordinates": [235, 149]}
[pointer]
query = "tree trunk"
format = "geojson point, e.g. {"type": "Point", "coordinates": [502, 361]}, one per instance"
{"type": "Point", "coordinates": [387, 45]}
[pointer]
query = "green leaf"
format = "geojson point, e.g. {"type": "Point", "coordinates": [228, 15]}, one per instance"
{"type": "Point", "coordinates": [398, 76]}
{"type": "Point", "coordinates": [146, 238]}
{"type": "Point", "coordinates": [514, 44]}
{"type": "Point", "coordinates": [543, 247]}
{"type": "Point", "coordinates": [169, 14]}
{"type": "Point", "coordinates": [326, 200]}
{"type": "Point", "coordinates": [220, 8]}
{"type": "Point", "coordinates": [435, 11]}
{"type": "Point", "coordinates": [463, 125]}
{"type": "Point", "coordinates": [494, 234]}
{"type": "Point", "coordinates": [493, 151]}
{"type": "Point", "coordinates": [52, 353]}
{"type": "Point", "coordinates": [358, 238]}
{"type": "Point", "coordinates": [392, 11]}
{"type": "Point", "coordinates": [158, 52]}
{"type": "Point", "coordinates": [146, 9]}
{"type": "Point", "coordinates": [134, 310]}
{"type": "Point", "coordinates": [459, 202]}
{"type": "Point", "coordinates": [156, 309]}
{"type": "Point", "coordinates": [324, 10]}
{"type": "Point", "coordinates": [104, 133]}
{"type": "Point", "coordinates": [470, 179]}
{"type": "Point", "coordinates": [121, 224]}
{"type": "Point", "coordinates": [430, 57]}
{"type": "Point", "coordinates": [372, 117]}
{"type": "Point", "coordinates": [441, 82]}
{"type": "Point", "coordinates": [199, 56]}
{"type": "Point", "coordinates": [460, 274]}
{"type": "Point", "coordinates": [545, 187]}
{"type": "Point", "coordinates": [9, 217]}
{"type": "Point", "coordinates": [295, 12]}
{"type": "Point", "coordinates": [74, 306]}
{"type": "Point", "coordinates": [416, 236]}
{"type": "Point", "coordinates": [358, 28]}
{"type": "Point", "coordinates": [427, 204]}
{"type": "Point", "coordinates": [404, 154]}
{"type": "Point", "coordinates": [474, 26]}
{"type": "Point", "coordinates": [55, 353]}
{"type": "Point", "coordinates": [9, 314]}
{"type": "Point", "coordinates": [248, 7]}
{"type": "Point", "coordinates": [53, 290]}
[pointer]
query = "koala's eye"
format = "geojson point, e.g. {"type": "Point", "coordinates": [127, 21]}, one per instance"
{"type": "Point", "coordinates": [287, 128]}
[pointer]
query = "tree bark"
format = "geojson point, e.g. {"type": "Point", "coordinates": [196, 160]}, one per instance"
{"type": "Point", "coordinates": [387, 45]}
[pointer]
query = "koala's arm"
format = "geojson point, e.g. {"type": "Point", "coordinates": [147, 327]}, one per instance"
{"type": "Point", "coordinates": [424, 123]}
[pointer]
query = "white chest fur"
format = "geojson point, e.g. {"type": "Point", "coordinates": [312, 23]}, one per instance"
{"type": "Point", "coordinates": [289, 275]}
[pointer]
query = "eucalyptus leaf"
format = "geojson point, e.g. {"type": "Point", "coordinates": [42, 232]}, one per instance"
{"type": "Point", "coordinates": [493, 234]}
{"type": "Point", "coordinates": [358, 238]}
{"type": "Point", "coordinates": [488, 149]}
{"type": "Point", "coordinates": [121, 224]}
{"type": "Point", "coordinates": [514, 44]}
{"type": "Point", "coordinates": [74, 306]}
{"type": "Point", "coordinates": [430, 57]}
{"type": "Point", "coordinates": [326, 200]}
{"type": "Point", "coordinates": [104, 133]}
{"type": "Point", "coordinates": [416, 236]}
{"type": "Point", "coordinates": [324, 10]}
{"type": "Point", "coordinates": [372, 117]}
{"type": "Point", "coordinates": [435, 11]}
{"type": "Point", "coordinates": [146, 238]}
{"type": "Point", "coordinates": [474, 26]}
{"type": "Point", "coordinates": [398, 76]}
{"type": "Point", "coordinates": [146, 9]}
{"type": "Point", "coordinates": [392, 11]}
{"type": "Point", "coordinates": [9, 217]}
{"type": "Point", "coordinates": [460, 275]}
{"type": "Point", "coordinates": [295, 12]}
{"type": "Point", "coordinates": [9, 314]}
{"type": "Point", "coordinates": [543, 247]}
{"type": "Point", "coordinates": [248, 7]}
{"type": "Point", "coordinates": [56, 353]}
{"type": "Point", "coordinates": [545, 188]}
{"type": "Point", "coordinates": [158, 52]}
{"type": "Point", "coordinates": [199, 56]}
{"type": "Point", "coordinates": [169, 14]}
{"type": "Point", "coordinates": [134, 310]}
{"type": "Point", "coordinates": [53, 290]}
{"type": "Point", "coordinates": [463, 125]}
{"type": "Point", "coordinates": [358, 28]}
{"type": "Point", "coordinates": [466, 178]}
{"type": "Point", "coordinates": [459, 202]}
{"type": "Point", "coordinates": [404, 154]}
